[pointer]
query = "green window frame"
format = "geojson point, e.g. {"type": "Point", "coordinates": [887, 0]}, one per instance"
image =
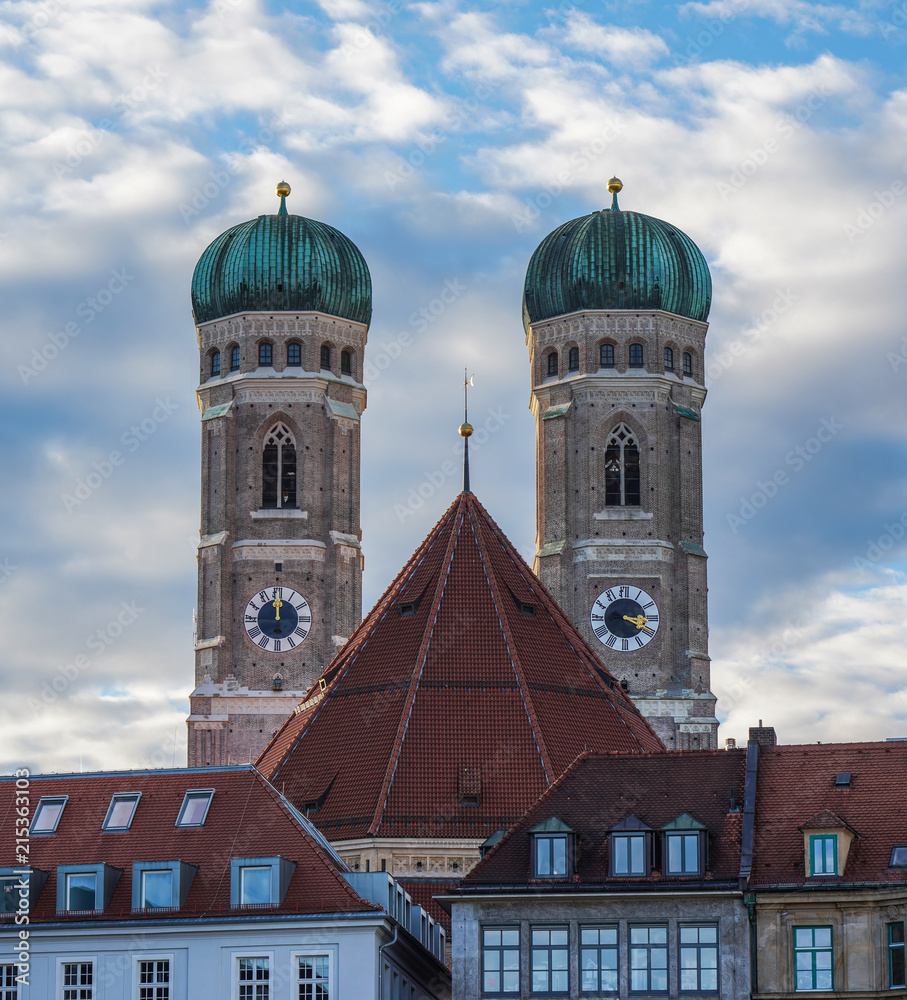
{"type": "Point", "coordinates": [896, 967]}
{"type": "Point", "coordinates": [813, 959]}
{"type": "Point", "coordinates": [500, 959]}
{"type": "Point", "coordinates": [550, 959]}
{"type": "Point", "coordinates": [823, 854]}
{"type": "Point", "coordinates": [598, 958]}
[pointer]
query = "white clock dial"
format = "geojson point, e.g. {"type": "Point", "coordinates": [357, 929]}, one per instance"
{"type": "Point", "coordinates": [277, 619]}
{"type": "Point", "coordinates": [624, 618]}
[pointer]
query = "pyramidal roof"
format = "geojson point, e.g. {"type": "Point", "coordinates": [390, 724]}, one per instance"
{"type": "Point", "coordinates": [461, 696]}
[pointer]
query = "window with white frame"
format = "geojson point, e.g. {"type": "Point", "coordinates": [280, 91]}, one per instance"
{"type": "Point", "coordinates": [500, 960]}
{"type": "Point", "coordinates": [48, 814]}
{"type": "Point", "coordinates": [9, 988]}
{"type": "Point", "coordinates": [255, 885]}
{"type": "Point", "coordinates": [598, 959]}
{"type": "Point", "coordinates": [156, 889]}
{"type": "Point", "coordinates": [195, 807]}
{"type": "Point", "coordinates": [314, 977]}
{"type": "Point", "coordinates": [121, 810]}
{"type": "Point", "coordinates": [813, 958]}
{"type": "Point", "coordinates": [699, 958]}
{"type": "Point", "coordinates": [154, 979]}
{"type": "Point", "coordinates": [649, 959]}
{"type": "Point", "coordinates": [254, 979]}
{"type": "Point", "coordinates": [549, 959]}
{"type": "Point", "coordinates": [78, 981]}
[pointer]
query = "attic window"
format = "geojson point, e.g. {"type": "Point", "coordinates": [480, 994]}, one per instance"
{"type": "Point", "coordinates": [408, 609]}
{"type": "Point", "coordinates": [553, 849]}
{"type": "Point", "coordinates": [310, 807]}
{"type": "Point", "coordinates": [470, 801]}
{"type": "Point", "coordinates": [48, 814]}
{"type": "Point", "coordinates": [121, 810]}
{"type": "Point", "coordinates": [898, 856]}
{"type": "Point", "coordinates": [527, 610]}
{"type": "Point", "coordinates": [842, 779]}
{"type": "Point", "coordinates": [195, 805]}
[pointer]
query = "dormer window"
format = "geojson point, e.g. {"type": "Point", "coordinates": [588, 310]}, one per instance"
{"type": "Point", "coordinates": [630, 848]}
{"type": "Point", "coordinates": [823, 854]}
{"type": "Point", "coordinates": [898, 856]}
{"type": "Point", "coordinates": [552, 849]}
{"type": "Point", "coordinates": [683, 846]}
{"type": "Point", "coordinates": [826, 844]}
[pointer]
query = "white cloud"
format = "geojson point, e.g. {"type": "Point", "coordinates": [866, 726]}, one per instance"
{"type": "Point", "coordinates": [631, 47]}
{"type": "Point", "coordinates": [805, 17]}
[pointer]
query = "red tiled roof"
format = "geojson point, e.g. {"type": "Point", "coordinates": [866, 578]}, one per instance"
{"type": "Point", "coordinates": [600, 790]}
{"type": "Point", "coordinates": [797, 783]}
{"type": "Point", "coordinates": [448, 681]}
{"type": "Point", "coordinates": [246, 818]}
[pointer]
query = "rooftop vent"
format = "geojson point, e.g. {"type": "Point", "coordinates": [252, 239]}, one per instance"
{"type": "Point", "coordinates": [407, 609]}
{"type": "Point", "coordinates": [528, 610]}
{"type": "Point", "coordinates": [842, 779]}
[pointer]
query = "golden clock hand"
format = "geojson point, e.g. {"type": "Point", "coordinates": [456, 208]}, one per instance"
{"type": "Point", "coordinates": [278, 604]}
{"type": "Point", "coordinates": [639, 621]}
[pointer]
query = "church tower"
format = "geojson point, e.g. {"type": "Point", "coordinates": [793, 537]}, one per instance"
{"type": "Point", "coordinates": [282, 306]}
{"type": "Point", "coordinates": [615, 309]}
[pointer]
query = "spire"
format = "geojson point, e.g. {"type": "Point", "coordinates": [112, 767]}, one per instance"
{"type": "Point", "coordinates": [283, 190]}
{"type": "Point", "coordinates": [614, 185]}
{"type": "Point", "coordinates": [466, 429]}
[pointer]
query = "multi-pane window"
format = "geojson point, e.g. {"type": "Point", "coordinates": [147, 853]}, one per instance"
{"type": "Point", "coordinates": [9, 989]}
{"type": "Point", "coordinates": [346, 363]}
{"type": "Point", "coordinates": [622, 468]}
{"type": "Point", "coordinates": [598, 959]}
{"type": "Point", "coordinates": [325, 356]}
{"type": "Point", "coordinates": [550, 856]}
{"type": "Point", "coordinates": [294, 355]}
{"type": "Point", "coordinates": [81, 891]}
{"type": "Point", "coordinates": [896, 972]}
{"type": "Point", "coordinates": [78, 981]}
{"type": "Point", "coordinates": [548, 959]}
{"type": "Point", "coordinates": [154, 980]}
{"type": "Point", "coordinates": [823, 854]}
{"type": "Point", "coordinates": [265, 355]}
{"type": "Point", "coordinates": [157, 889]}
{"type": "Point", "coordinates": [48, 814]}
{"type": "Point", "coordinates": [699, 958]}
{"type": "Point", "coordinates": [278, 469]}
{"type": "Point", "coordinates": [606, 356]}
{"type": "Point", "coordinates": [687, 363]}
{"type": "Point", "coordinates": [195, 807]}
{"type": "Point", "coordinates": [255, 886]}
{"type": "Point", "coordinates": [682, 853]}
{"type": "Point", "coordinates": [552, 364]}
{"type": "Point", "coordinates": [813, 958]}
{"type": "Point", "coordinates": [9, 894]}
{"type": "Point", "coordinates": [669, 359]}
{"type": "Point", "coordinates": [314, 978]}
{"type": "Point", "coordinates": [215, 364]}
{"type": "Point", "coordinates": [649, 959]}
{"type": "Point", "coordinates": [500, 960]}
{"type": "Point", "coordinates": [628, 854]}
{"type": "Point", "coordinates": [636, 355]}
{"type": "Point", "coordinates": [121, 810]}
{"type": "Point", "coordinates": [573, 359]}
{"type": "Point", "coordinates": [254, 979]}
{"type": "Point", "coordinates": [234, 359]}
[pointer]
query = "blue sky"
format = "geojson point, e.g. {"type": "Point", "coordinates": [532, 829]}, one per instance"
{"type": "Point", "coordinates": [446, 139]}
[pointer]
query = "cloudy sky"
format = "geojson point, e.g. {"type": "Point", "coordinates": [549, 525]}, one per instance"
{"type": "Point", "coordinates": [446, 139]}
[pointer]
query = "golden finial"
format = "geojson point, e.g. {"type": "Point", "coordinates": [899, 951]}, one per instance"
{"type": "Point", "coordinates": [465, 430]}
{"type": "Point", "coordinates": [283, 189]}
{"type": "Point", "coordinates": [615, 185]}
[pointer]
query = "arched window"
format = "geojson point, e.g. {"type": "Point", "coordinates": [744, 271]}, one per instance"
{"type": "Point", "coordinates": [325, 356]}
{"type": "Point", "coordinates": [636, 355]}
{"type": "Point", "coordinates": [234, 358]}
{"type": "Point", "coordinates": [606, 356]}
{"type": "Point", "coordinates": [294, 355]}
{"type": "Point", "coordinates": [346, 363]}
{"type": "Point", "coordinates": [573, 359]}
{"type": "Point", "coordinates": [215, 364]}
{"type": "Point", "coordinates": [622, 468]}
{"type": "Point", "coordinates": [278, 469]}
{"type": "Point", "coordinates": [552, 364]}
{"type": "Point", "coordinates": [265, 355]}
{"type": "Point", "coordinates": [669, 359]}
{"type": "Point", "coordinates": [688, 363]}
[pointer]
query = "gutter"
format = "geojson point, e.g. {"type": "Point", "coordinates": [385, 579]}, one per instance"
{"type": "Point", "coordinates": [387, 944]}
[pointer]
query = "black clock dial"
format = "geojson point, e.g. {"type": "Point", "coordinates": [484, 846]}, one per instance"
{"type": "Point", "coordinates": [277, 619]}
{"type": "Point", "coordinates": [624, 618]}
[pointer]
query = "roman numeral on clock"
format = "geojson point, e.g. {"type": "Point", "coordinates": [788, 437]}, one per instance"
{"type": "Point", "coordinates": [600, 631]}
{"type": "Point", "coordinates": [254, 633]}
{"type": "Point", "coordinates": [263, 596]}
{"type": "Point", "coordinates": [611, 641]}
{"type": "Point", "coordinates": [263, 642]}
{"type": "Point", "coordinates": [301, 632]}
{"type": "Point", "coordinates": [277, 645]}
{"type": "Point", "coordinates": [251, 618]}
{"type": "Point", "coordinates": [598, 618]}
{"type": "Point", "coordinates": [624, 644]}
{"type": "Point", "coordinates": [624, 591]}
{"type": "Point", "coordinates": [638, 641]}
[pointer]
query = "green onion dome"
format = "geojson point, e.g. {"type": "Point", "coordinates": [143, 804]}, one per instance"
{"type": "Point", "coordinates": [282, 263]}
{"type": "Point", "coordinates": [616, 260]}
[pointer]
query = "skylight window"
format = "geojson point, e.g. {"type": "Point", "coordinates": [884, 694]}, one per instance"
{"type": "Point", "coordinates": [842, 779]}
{"type": "Point", "coordinates": [47, 815]}
{"type": "Point", "coordinates": [195, 807]}
{"type": "Point", "coordinates": [121, 810]}
{"type": "Point", "coordinates": [899, 856]}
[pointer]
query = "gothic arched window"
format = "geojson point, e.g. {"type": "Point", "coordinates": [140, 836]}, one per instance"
{"type": "Point", "coordinates": [234, 358]}
{"type": "Point", "coordinates": [215, 364]}
{"type": "Point", "coordinates": [325, 356]}
{"type": "Point", "coordinates": [636, 355]}
{"type": "Point", "coordinates": [688, 363]}
{"type": "Point", "coordinates": [573, 359]}
{"type": "Point", "coordinates": [265, 355]}
{"type": "Point", "coordinates": [278, 469]}
{"type": "Point", "coordinates": [294, 355]}
{"type": "Point", "coordinates": [622, 468]}
{"type": "Point", "coordinates": [346, 363]}
{"type": "Point", "coordinates": [552, 364]}
{"type": "Point", "coordinates": [606, 356]}
{"type": "Point", "coordinates": [669, 359]}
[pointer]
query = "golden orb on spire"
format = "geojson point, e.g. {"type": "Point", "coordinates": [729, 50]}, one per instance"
{"type": "Point", "coordinates": [283, 189]}
{"type": "Point", "coordinates": [615, 185]}
{"type": "Point", "coordinates": [465, 430]}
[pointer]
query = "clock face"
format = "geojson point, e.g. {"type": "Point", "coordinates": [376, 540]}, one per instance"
{"type": "Point", "coordinates": [278, 619]}
{"type": "Point", "coordinates": [624, 618]}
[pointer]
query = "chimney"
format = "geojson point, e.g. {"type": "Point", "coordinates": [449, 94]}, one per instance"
{"type": "Point", "coordinates": [730, 743]}
{"type": "Point", "coordinates": [763, 735]}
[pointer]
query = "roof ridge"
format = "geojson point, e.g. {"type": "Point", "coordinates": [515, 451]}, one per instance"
{"type": "Point", "coordinates": [528, 704]}
{"type": "Point", "coordinates": [419, 665]}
